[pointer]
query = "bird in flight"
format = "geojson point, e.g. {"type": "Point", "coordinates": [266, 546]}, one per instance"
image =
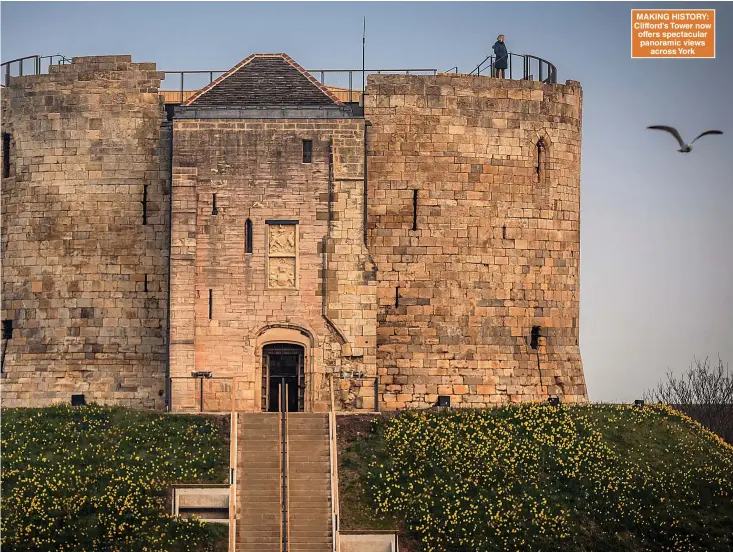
{"type": "Point", "coordinates": [684, 148]}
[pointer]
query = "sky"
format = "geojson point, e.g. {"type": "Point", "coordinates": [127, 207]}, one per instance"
{"type": "Point", "coordinates": [656, 279]}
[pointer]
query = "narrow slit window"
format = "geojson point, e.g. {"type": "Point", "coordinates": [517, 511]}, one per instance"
{"type": "Point", "coordinates": [7, 329]}
{"type": "Point", "coordinates": [397, 297]}
{"type": "Point", "coordinates": [145, 204]}
{"type": "Point", "coordinates": [7, 336]}
{"type": "Point", "coordinates": [414, 209]}
{"type": "Point", "coordinates": [6, 155]}
{"type": "Point", "coordinates": [214, 209]}
{"type": "Point", "coordinates": [503, 232]}
{"type": "Point", "coordinates": [307, 151]}
{"type": "Point", "coordinates": [534, 341]}
{"type": "Point", "coordinates": [540, 148]}
{"type": "Point", "coordinates": [146, 283]}
{"type": "Point", "coordinates": [248, 236]}
{"type": "Point", "coordinates": [211, 304]}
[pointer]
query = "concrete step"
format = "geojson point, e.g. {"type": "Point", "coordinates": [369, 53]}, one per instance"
{"type": "Point", "coordinates": [309, 448]}
{"type": "Point", "coordinates": [320, 522]}
{"type": "Point", "coordinates": [307, 431]}
{"type": "Point", "coordinates": [264, 545]}
{"type": "Point", "coordinates": [311, 547]}
{"type": "Point", "coordinates": [307, 498]}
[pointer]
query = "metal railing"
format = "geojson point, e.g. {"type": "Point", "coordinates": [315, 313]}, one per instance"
{"type": "Point", "coordinates": [208, 393]}
{"type": "Point", "coordinates": [342, 78]}
{"type": "Point", "coordinates": [529, 67]}
{"type": "Point", "coordinates": [204, 393]}
{"type": "Point", "coordinates": [333, 453]}
{"type": "Point", "coordinates": [285, 465]}
{"type": "Point", "coordinates": [30, 65]}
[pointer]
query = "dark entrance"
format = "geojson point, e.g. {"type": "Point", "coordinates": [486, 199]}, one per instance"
{"type": "Point", "coordinates": [282, 364]}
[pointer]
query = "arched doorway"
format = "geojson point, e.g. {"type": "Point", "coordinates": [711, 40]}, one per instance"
{"type": "Point", "coordinates": [283, 368]}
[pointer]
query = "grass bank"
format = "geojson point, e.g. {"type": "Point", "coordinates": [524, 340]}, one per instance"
{"type": "Point", "coordinates": [94, 478]}
{"type": "Point", "coordinates": [533, 477]}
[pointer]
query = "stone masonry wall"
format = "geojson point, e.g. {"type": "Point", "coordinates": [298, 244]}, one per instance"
{"type": "Point", "coordinates": [496, 245]}
{"type": "Point", "coordinates": [256, 170]}
{"type": "Point", "coordinates": [84, 280]}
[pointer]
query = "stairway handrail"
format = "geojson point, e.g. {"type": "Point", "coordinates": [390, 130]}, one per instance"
{"type": "Point", "coordinates": [335, 509]}
{"type": "Point", "coordinates": [233, 446]}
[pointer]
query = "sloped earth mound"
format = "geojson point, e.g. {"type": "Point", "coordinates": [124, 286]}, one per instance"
{"type": "Point", "coordinates": [95, 478]}
{"type": "Point", "coordinates": [536, 477]}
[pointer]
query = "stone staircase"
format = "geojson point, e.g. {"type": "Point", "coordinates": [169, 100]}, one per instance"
{"type": "Point", "coordinates": [259, 483]}
{"type": "Point", "coordinates": [259, 510]}
{"type": "Point", "coordinates": [310, 483]}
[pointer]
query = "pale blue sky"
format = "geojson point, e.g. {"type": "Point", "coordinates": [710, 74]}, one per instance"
{"type": "Point", "coordinates": [656, 225]}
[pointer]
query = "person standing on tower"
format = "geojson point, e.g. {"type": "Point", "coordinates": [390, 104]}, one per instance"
{"type": "Point", "coordinates": [502, 57]}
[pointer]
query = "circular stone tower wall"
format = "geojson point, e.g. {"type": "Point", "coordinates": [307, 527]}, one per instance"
{"type": "Point", "coordinates": [85, 235]}
{"type": "Point", "coordinates": [474, 224]}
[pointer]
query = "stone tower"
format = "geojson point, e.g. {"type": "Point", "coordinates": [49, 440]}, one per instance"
{"type": "Point", "coordinates": [474, 213]}
{"type": "Point", "coordinates": [85, 235]}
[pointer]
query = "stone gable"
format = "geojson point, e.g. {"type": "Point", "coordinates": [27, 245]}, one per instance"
{"type": "Point", "coordinates": [264, 80]}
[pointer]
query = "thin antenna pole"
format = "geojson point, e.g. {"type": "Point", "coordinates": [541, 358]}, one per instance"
{"type": "Point", "coordinates": [363, 70]}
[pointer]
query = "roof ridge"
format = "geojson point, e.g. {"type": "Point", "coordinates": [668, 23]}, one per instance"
{"type": "Point", "coordinates": [285, 57]}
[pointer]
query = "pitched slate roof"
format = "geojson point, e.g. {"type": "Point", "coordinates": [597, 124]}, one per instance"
{"type": "Point", "coordinates": [264, 80]}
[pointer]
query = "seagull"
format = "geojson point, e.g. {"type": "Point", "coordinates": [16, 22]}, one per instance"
{"type": "Point", "coordinates": [686, 148]}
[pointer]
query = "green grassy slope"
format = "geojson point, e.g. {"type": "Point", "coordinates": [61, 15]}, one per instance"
{"type": "Point", "coordinates": [532, 477]}
{"type": "Point", "coordinates": [94, 478]}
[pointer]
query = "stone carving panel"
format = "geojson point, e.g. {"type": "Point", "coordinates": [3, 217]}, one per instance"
{"type": "Point", "coordinates": [281, 273]}
{"type": "Point", "coordinates": [282, 251]}
{"type": "Point", "coordinates": [282, 240]}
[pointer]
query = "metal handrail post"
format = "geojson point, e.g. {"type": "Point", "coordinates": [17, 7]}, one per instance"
{"type": "Point", "coordinates": [201, 393]}
{"type": "Point", "coordinates": [335, 505]}
{"type": "Point", "coordinates": [510, 66]}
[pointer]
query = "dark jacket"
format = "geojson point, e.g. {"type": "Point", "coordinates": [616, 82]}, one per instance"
{"type": "Point", "coordinates": [500, 52]}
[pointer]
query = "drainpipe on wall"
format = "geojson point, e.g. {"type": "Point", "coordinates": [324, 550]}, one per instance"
{"type": "Point", "coordinates": [325, 241]}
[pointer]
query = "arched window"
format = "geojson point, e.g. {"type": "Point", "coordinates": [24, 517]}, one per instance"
{"type": "Point", "coordinates": [248, 236]}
